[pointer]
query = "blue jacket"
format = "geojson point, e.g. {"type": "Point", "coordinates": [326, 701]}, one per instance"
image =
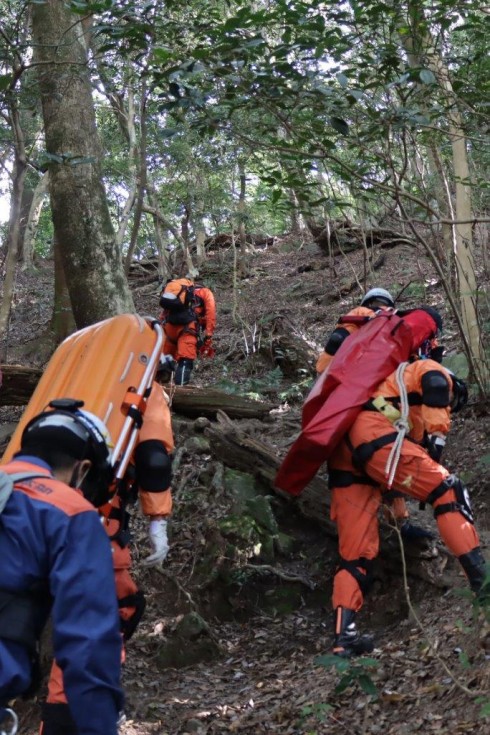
{"type": "Point", "coordinates": [49, 533]}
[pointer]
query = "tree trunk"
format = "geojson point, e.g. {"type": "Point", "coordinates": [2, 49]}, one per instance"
{"type": "Point", "coordinates": [192, 271]}
{"type": "Point", "coordinates": [20, 382]}
{"type": "Point", "coordinates": [33, 220]}
{"type": "Point", "coordinates": [242, 235]}
{"type": "Point", "coordinates": [200, 233]}
{"type": "Point", "coordinates": [81, 218]}
{"type": "Point", "coordinates": [13, 237]}
{"type": "Point", "coordinates": [288, 350]}
{"type": "Point", "coordinates": [62, 320]}
{"type": "Point", "coordinates": [422, 49]}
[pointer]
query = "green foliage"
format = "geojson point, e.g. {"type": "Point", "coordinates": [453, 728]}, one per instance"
{"type": "Point", "coordinates": [253, 387]}
{"type": "Point", "coordinates": [353, 672]}
{"type": "Point", "coordinates": [485, 710]}
{"type": "Point", "coordinates": [297, 391]}
{"type": "Point", "coordinates": [317, 712]}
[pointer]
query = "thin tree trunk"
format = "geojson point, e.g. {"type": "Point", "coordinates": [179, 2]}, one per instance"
{"type": "Point", "coordinates": [141, 180]}
{"type": "Point", "coordinates": [421, 48]}
{"type": "Point", "coordinates": [159, 229]}
{"type": "Point", "coordinates": [130, 134]}
{"type": "Point", "coordinates": [242, 235]}
{"type": "Point", "coordinates": [200, 234]}
{"type": "Point", "coordinates": [13, 237]}
{"type": "Point", "coordinates": [33, 220]}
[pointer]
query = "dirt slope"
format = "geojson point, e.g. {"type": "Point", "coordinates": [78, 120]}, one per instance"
{"type": "Point", "coordinates": [266, 677]}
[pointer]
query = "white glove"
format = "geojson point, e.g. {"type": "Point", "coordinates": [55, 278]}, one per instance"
{"type": "Point", "coordinates": [159, 541]}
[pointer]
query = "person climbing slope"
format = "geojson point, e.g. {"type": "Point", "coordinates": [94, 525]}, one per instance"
{"type": "Point", "coordinates": [396, 442]}
{"type": "Point", "coordinates": [56, 559]}
{"type": "Point", "coordinates": [189, 321]}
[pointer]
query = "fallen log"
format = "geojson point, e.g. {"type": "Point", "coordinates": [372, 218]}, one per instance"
{"type": "Point", "coordinates": [193, 402]}
{"type": "Point", "coordinates": [19, 383]}
{"type": "Point", "coordinates": [344, 237]}
{"type": "Point", "coordinates": [235, 449]}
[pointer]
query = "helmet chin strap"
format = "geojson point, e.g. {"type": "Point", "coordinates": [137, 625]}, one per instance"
{"type": "Point", "coordinates": [79, 473]}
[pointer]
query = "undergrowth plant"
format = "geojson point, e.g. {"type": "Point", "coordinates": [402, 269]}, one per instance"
{"type": "Point", "coordinates": [353, 672]}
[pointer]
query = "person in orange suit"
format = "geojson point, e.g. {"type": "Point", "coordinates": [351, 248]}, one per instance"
{"type": "Point", "coordinates": [432, 393]}
{"type": "Point", "coordinates": [189, 319]}
{"type": "Point", "coordinates": [374, 300]}
{"type": "Point", "coordinates": [152, 475]}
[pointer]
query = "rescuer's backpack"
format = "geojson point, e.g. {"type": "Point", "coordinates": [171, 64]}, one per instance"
{"type": "Point", "coordinates": [361, 363]}
{"type": "Point", "coordinates": [178, 294]}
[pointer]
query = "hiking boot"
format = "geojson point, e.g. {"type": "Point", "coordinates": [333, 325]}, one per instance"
{"type": "Point", "coordinates": [410, 532]}
{"type": "Point", "coordinates": [476, 570]}
{"type": "Point", "coordinates": [183, 371]}
{"type": "Point", "coordinates": [348, 641]}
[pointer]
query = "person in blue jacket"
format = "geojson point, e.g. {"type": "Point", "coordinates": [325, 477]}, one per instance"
{"type": "Point", "coordinates": [56, 558]}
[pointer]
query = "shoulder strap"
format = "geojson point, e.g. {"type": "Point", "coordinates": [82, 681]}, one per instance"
{"type": "Point", "coordinates": [7, 482]}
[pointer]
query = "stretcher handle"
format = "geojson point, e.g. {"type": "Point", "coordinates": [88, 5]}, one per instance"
{"type": "Point", "coordinates": [129, 431]}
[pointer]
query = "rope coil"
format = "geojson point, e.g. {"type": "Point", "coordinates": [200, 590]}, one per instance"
{"type": "Point", "coordinates": [401, 425]}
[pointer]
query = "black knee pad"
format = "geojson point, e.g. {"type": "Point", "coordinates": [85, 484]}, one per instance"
{"type": "Point", "coordinates": [462, 499]}
{"type": "Point", "coordinates": [153, 466]}
{"type": "Point", "coordinates": [364, 581]}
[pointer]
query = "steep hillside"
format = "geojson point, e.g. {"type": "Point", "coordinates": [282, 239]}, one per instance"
{"type": "Point", "coordinates": [257, 584]}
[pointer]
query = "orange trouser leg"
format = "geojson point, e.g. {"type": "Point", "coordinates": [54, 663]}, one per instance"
{"type": "Point", "coordinates": [56, 689]}
{"type": "Point", "coordinates": [157, 425]}
{"type": "Point", "coordinates": [459, 535]}
{"type": "Point", "coordinates": [181, 341]}
{"type": "Point", "coordinates": [355, 510]}
{"type": "Point", "coordinates": [417, 475]}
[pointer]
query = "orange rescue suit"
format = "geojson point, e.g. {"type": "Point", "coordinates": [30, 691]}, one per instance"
{"type": "Point", "coordinates": [355, 506]}
{"type": "Point", "coordinates": [343, 330]}
{"type": "Point", "coordinates": [398, 507]}
{"type": "Point", "coordinates": [181, 339]}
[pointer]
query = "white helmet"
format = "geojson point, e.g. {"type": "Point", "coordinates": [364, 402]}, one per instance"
{"type": "Point", "coordinates": [378, 294]}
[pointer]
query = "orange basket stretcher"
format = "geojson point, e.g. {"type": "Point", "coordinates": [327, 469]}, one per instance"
{"type": "Point", "coordinates": [110, 366]}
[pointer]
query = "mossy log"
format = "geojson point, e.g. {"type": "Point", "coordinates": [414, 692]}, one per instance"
{"type": "Point", "coordinates": [236, 449]}
{"type": "Point", "coordinates": [19, 383]}
{"type": "Point", "coordinates": [192, 401]}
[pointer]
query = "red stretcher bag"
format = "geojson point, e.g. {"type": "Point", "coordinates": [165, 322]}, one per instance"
{"type": "Point", "coordinates": [364, 359]}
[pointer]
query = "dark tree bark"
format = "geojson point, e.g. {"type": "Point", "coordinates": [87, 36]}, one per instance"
{"type": "Point", "coordinates": [288, 350]}
{"type": "Point", "coordinates": [92, 263]}
{"type": "Point", "coordinates": [62, 321]}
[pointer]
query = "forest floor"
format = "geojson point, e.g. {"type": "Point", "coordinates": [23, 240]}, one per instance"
{"type": "Point", "coordinates": [260, 670]}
